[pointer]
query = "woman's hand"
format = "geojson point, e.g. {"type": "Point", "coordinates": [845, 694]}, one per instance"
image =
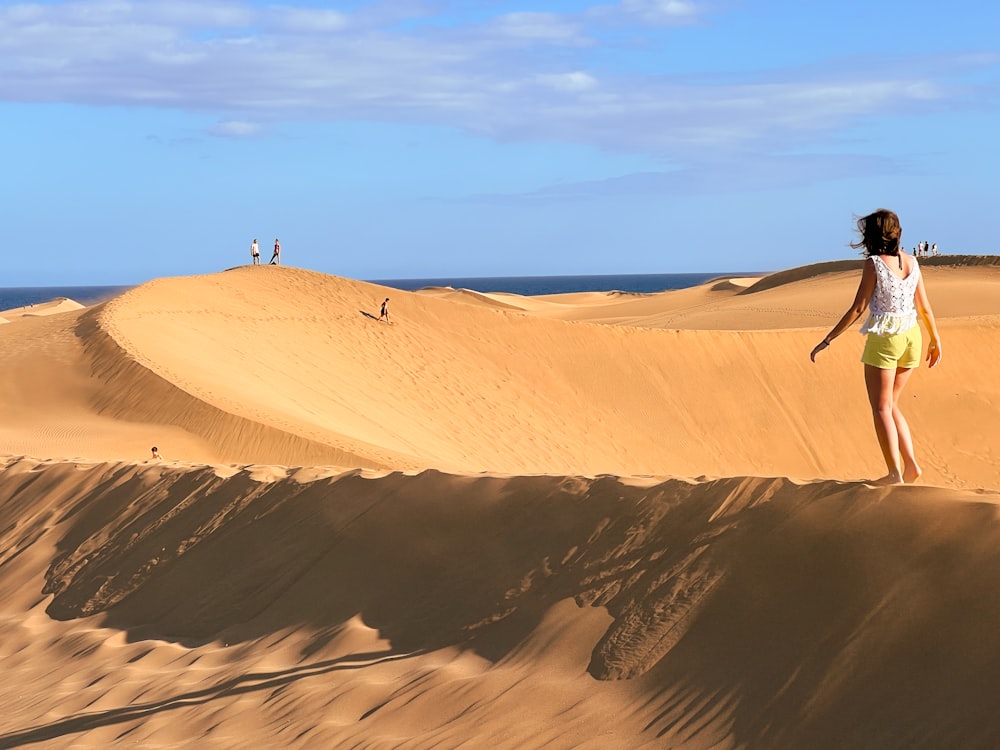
{"type": "Point", "coordinates": [933, 353]}
{"type": "Point", "coordinates": [818, 348]}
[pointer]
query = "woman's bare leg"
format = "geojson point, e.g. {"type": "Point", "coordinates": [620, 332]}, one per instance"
{"type": "Point", "coordinates": [880, 385]}
{"type": "Point", "coordinates": [911, 471]}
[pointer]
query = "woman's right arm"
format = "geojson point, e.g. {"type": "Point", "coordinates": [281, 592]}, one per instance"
{"type": "Point", "coordinates": [855, 311]}
{"type": "Point", "coordinates": [927, 315]}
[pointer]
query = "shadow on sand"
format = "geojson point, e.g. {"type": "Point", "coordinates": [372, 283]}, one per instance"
{"type": "Point", "coordinates": [827, 614]}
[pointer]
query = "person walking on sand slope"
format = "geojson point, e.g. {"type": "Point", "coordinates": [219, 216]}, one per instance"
{"type": "Point", "coordinates": [892, 286]}
{"type": "Point", "coordinates": [384, 315]}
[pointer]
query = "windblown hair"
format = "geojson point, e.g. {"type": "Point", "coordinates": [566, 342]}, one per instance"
{"type": "Point", "coordinates": [880, 233]}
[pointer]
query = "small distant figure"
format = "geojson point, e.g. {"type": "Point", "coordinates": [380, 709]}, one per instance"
{"type": "Point", "coordinates": [255, 252]}
{"type": "Point", "coordinates": [921, 246]}
{"type": "Point", "coordinates": [276, 255]}
{"type": "Point", "coordinates": [934, 249]}
{"type": "Point", "coordinates": [385, 311]}
{"type": "Point", "coordinates": [156, 454]}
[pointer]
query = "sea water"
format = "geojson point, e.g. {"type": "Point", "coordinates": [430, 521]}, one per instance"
{"type": "Point", "coordinates": [12, 297]}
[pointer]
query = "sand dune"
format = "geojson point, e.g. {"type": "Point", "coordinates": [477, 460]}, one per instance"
{"type": "Point", "coordinates": [470, 296]}
{"type": "Point", "coordinates": [283, 368]}
{"type": "Point", "coordinates": [492, 611]}
{"type": "Point", "coordinates": [596, 520]}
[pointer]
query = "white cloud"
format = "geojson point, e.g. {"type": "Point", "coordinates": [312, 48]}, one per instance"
{"type": "Point", "coordinates": [235, 129]}
{"type": "Point", "coordinates": [661, 11]}
{"type": "Point", "coordinates": [310, 20]}
{"type": "Point", "coordinates": [180, 13]}
{"type": "Point", "coordinates": [546, 27]}
{"type": "Point", "coordinates": [247, 65]}
{"type": "Point", "coordinates": [575, 81]}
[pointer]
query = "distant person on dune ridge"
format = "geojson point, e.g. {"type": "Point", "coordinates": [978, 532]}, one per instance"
{"type": "Point", "coordinates": [156, 454]}
{"type": "Point", "coordinates": [384, 315]}
{"type": "Point", "coordinates": [892, 286]}
{"type": "Point", "coordinates": [255, 252]}
{"type": "Point", "coordinates": [276, 255]}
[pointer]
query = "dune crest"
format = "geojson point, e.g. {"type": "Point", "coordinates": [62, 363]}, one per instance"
{"type": "Point", "coordinates": [802, 273]}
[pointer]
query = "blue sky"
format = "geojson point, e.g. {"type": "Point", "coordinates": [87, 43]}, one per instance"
{"type": "Point", "coordinates": [420, 139]}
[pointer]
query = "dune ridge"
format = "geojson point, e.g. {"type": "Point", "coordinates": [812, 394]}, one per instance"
{"type": "Point", "coordinates": [801, 273]}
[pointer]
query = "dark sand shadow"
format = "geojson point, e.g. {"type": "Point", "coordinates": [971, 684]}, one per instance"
{"type": "Point", "coordinates": [817, 615]}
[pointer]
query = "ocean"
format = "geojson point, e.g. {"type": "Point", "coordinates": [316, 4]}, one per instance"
{"type": "Point", "coordinates": [20, 296]}
{"type": "Point", "coordinates": [11, 297]}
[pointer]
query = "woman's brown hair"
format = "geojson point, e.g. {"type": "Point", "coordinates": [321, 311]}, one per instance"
{"type": "Point", "coordinates": [880, 233]}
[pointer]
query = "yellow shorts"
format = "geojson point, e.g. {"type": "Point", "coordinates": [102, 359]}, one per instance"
{"type": "Point", "coordinates": [887, 351]}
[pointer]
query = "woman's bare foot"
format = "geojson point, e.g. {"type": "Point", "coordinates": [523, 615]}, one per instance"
{"type": "Point", "coordinates": [911, 473]}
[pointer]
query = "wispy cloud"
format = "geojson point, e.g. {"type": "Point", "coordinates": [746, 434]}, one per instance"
{"type": "Point", "coordinates": [669, 12]}
{"type": "Point", "coordinates": [252, 65]}
{"type": "Point", "coordinates": [235, 129]}
{"type": "Point", "coordinates": [738, 175]}
{"type": "Point", "coordinates": [547, 28]}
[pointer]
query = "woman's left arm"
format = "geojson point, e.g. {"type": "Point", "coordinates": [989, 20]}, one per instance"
{"type": "Point", "coordinates": [927, 315]}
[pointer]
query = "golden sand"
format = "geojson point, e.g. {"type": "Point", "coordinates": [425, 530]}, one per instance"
{"type": "Point", "coordinates": [594, 520]}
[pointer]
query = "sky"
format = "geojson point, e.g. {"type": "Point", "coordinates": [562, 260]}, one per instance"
{"type": "Point", "coordinates": [436, 138]}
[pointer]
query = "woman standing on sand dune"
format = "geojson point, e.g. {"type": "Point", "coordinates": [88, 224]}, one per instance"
{"type": "Point", "coordinates": [891, 285]}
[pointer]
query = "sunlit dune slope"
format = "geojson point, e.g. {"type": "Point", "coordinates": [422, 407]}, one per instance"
{"type": "Point", "coordinates": [344, 610]}
{"type": "Point", "coordinates": [471, 297]}
{"type": "Point", "coordinates": [292, 371]}
{"type": "Point", "coordinates": [286, 366]}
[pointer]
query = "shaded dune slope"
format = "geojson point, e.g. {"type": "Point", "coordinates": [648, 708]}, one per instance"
{"type": "Point", "coordinates": [134, 392]}
{"type": "Point", "coordinates": [754, 612]}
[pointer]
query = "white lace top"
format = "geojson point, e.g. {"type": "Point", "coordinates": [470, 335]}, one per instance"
{"type": "Point", "coordinates": [892, 307]}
